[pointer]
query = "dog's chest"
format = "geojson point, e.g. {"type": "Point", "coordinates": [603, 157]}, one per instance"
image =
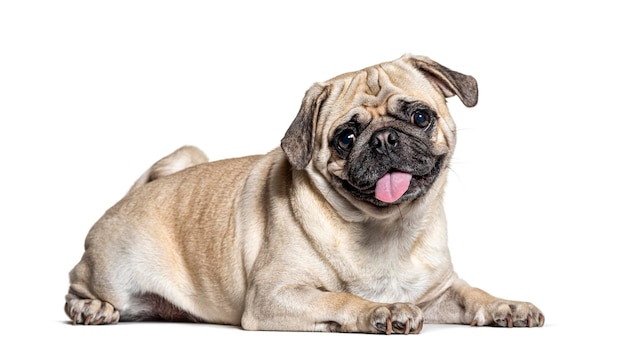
{"type": "Point", "coordinates": [393, 270]}
{"type": "Point", "coordinates": [383, 281]}
{"type": "Point", "coordinates": [401, 259]}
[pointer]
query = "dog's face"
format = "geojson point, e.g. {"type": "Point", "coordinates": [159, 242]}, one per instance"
{"type": "Point", "coordinates": [382, 135]}
{"type": "Point", "coordinates": [389, 156]}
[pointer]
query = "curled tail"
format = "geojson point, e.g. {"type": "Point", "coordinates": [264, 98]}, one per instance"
{"type": "Point", "coordinates": [184, 157]}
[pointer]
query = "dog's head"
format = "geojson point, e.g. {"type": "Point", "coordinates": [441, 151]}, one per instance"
{"type": "Point", "coordinates": [382, 135]}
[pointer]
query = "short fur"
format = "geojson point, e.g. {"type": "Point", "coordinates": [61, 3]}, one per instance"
{"type": "Point", "coordinates": [297, 239]}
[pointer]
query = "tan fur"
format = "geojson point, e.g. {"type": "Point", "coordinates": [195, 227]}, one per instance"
{"type": "Point", "coordinates": [268, 243]}
{"type": "Point", "coordinates": [184, 157]}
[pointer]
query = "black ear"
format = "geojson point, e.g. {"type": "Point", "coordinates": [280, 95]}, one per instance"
{"type": "Point", "coordinates": [450, 82]}
{"type": "Point", "coordinates": [298, 141]}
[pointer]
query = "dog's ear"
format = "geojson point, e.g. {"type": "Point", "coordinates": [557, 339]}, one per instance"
{"type": "Point", "coordinates": [298, 142]}
{"type": "Point", "coordinates": [450, 82]}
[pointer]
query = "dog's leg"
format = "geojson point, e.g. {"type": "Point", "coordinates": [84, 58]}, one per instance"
{"type": "Point", "coordinates": [305, 308]}
{"type": "Point", "coordinates": [82, 306]}
{"type": "Point", "coordinates": [129, 283]}
{"type": "Point", "coordinates": [90, 311]}
{"type": "Point", "coordinates": [96, 282]}
{"type": "Point", "coordinates": [463, 304]}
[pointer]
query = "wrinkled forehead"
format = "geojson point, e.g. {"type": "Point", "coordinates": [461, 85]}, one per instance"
{"type": "Point", "coordinates": [378, 90]}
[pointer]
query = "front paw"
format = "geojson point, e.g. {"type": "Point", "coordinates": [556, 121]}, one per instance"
{"type": "Point", "coordinates": [508, 314]}
{"type": "Point", "coordinates": [403, 318]}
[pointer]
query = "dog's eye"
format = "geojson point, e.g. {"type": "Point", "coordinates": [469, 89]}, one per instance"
{"type": "Point", "coordinates": [345, 140]}
{"type": "Point", "coordinates": [421, 119]}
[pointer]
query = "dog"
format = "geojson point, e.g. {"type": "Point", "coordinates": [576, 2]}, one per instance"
{"type": "Point", "coordinates": [341, 228]}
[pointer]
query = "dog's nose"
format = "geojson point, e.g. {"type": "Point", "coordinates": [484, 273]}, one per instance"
{"type": "Point", "coordinates": [384, 140]}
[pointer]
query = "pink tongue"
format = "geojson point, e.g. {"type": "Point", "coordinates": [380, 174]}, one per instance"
{"type": "Point", "coordinates": [392, 186]}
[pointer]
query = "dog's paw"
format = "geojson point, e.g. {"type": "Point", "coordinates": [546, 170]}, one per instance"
{"type": "Point", "coordinates": [508, 314]}
{"type": "Point", "coordinates": [91, 312]}
{"type": "Point", "coordinates": [403, 318]}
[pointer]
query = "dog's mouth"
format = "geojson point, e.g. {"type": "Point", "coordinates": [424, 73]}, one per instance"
{"type": "Point", "coordinates": [396, 185]}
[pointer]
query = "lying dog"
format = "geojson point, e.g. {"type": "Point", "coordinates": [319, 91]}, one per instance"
{"type": "Point", "coordinates": [343, 229]}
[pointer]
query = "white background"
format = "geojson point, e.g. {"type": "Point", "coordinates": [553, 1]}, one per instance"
{"type": "Point", "coordinates": [92, 93]}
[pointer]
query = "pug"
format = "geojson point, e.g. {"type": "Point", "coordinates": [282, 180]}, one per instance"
{"type": "Point", "coordinates": [340, 229]}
